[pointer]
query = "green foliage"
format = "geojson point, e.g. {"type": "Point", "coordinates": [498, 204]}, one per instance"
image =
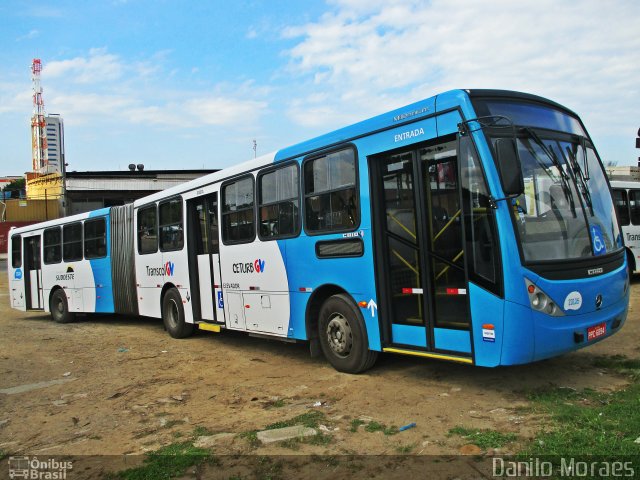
{"type": "Point", "coordinates": [484, 438]}
{"type": "Point", "coordinates": [620, 364]}
{"type": "Point", "coordinates": [168, 462]}
{"type": "Point", "coordinates": [201, 431]}
{"type": "Point", "coordinates": [588, 422]}
{"type": "Point", "coordinates": [405, 449]}
{"type": "Point", "coordinates": [355, 423]}
{"type": "Point", "coordinates": [381, 427]}
{"type": "Point", "coordinates": [252, 437]}
{"type": "Point", "coordinates": [310, 419]}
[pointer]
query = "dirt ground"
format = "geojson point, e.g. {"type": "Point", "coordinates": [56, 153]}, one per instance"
{"type": "Point", "coordinates": [125, 387]}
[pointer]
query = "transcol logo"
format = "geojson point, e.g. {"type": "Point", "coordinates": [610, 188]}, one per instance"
{"type": "Point", "coordinates": [161, 271]}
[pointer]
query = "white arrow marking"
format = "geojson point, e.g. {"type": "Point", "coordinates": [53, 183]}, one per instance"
{"type": "Point", "coordinates": [373, 306]}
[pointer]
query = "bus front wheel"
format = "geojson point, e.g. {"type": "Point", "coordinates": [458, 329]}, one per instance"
{"type": "Point", "coordinates": [343, 336]}
{"type": "Point", "coordinates": [173, 315]}
{"type": "Point", "coordinates": [59, 307]}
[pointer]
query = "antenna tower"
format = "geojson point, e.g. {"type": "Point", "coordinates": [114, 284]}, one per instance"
{"type": "Point", "coordinates": [38, 130]}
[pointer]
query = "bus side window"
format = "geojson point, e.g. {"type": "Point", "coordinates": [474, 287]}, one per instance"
{"type": "Point", "coordinates": [95, 238]}
{"type": "Point", "coordinates": [170, 225]}
{"type": "Point", "coordinates": [331, 196]}
{"type": "Point", "coordinates": [16, 251]}
{"type": "Point", "coordinates": [621, 202]}
{"type": "Point", "coordinates": [278, 205]}
{"type": "Point", "coordinates": [634, 204]}
{"type": "Point", "coordinates": [148, 230]}
{"type": "Point", "coordinates": [481, 236]}
{"type": "Point", "coordinates": [52, 245]}
{"type": "Point", "coordinates": [237, 211]}
{"type": "Point", "coordinates": [72, 242]}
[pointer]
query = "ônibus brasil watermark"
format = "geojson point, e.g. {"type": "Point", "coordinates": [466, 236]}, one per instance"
{"type": "Point", "coordinates": [566, 467]}
{"type": "Point", "coordinates": [34, 468]}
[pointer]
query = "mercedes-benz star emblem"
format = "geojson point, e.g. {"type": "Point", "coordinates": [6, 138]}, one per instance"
{"type": "Point", "coordinates": [598, 301]}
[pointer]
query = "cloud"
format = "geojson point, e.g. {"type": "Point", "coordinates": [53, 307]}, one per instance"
{"type": "Point", "coordinates": [100, 88]}
{"type": "Point", "coordinates": [99, 66]}
{"type": "Point", "coordinates": [369, 55]}
{"type": "Point", "coordinates": [31, 35]}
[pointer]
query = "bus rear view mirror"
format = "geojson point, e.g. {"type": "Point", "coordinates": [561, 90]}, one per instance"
{"type": "Point", "coordinates": [509, 166]}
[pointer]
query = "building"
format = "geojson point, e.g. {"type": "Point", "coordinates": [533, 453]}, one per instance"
{"type": "Point", "coordinates": [86, 191]}
{"type": "Point", "coordinates": [625, 173]}
{"type": "Point", "coordinates": [55, 144]}
{"type": "Point", "coordinates": [44, 187]}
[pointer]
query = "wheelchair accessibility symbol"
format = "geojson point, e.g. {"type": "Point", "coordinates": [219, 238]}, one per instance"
{"type": "Point", "coordinates": [599, 248]}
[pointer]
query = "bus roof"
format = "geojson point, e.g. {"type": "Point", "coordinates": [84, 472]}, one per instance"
{"type": "Point", "coordinates": [60, 221]}
{"type": "Point", "coordinates": [625, 183]}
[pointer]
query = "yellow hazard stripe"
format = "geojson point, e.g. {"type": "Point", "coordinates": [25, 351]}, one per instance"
{"type": "Point", "coordinates": [439, 356]}
{"type": "Point", "coordinates": [209, 327]}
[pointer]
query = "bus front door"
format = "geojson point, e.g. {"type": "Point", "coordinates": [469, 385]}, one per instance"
{"type": "Point", "coordinates": [421, 274]}
{"type": "Point", "coordinates": [33, 273]}
{"type": "Point", "coordinates": [204, 259]}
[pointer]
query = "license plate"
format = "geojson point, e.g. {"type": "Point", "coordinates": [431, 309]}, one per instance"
{"type": "Point", "coordinates": [596, 331]}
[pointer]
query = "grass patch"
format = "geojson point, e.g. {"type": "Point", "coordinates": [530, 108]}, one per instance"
{"type": "Point", "coordinates": [620, 364]}
{"type": "Point", "coordinates": [268, 469]}
{"type": "Point", "coordinates": [355, 423]}
{"type": "Point", "coordinates": [252, 437]}
{"type": "Point", "coordinates": [201, 431]}
{"type": "Point", "coordinates": [319, 439]}
{"type": "Point", "coordinates": [405, 449]}
{"type": "Point", "coordinates": [277, 404]}
{"type": "Point", "coordinates": [381, 427]}
{"type": "Point", "coordinates": [310, 419]}
{"type": "Point", "coordinates": [588, 421]}
{"type": "Point", "coordinates": [3, 454]}
{"type": "Point", "coordinates": [168, 462]}
{"type": "Point", "coordinates": [173, 423]}
{"type": "Point", "coordinates": [484, 438]}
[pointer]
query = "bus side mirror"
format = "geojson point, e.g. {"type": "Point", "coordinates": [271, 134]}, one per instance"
{"type": "Point", "coordinates": [509, 166]}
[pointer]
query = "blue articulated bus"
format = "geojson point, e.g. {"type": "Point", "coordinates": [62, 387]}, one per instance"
{"type": "Point", "coordinates": [476, 226]}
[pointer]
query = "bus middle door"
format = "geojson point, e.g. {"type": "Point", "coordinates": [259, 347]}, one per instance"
{"type": "Point", "coordinates": [33, 273]}
{"type": "Point", "coordinates": [204, 259]}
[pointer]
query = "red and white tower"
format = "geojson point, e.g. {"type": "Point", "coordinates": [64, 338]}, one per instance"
{"type": "Point", "coordinates": [38, 123]}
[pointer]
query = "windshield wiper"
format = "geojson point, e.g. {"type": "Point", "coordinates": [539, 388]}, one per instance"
{"type": "Point", "coordinates": [580, 179]}
{"type": "Point", "coordinates": [566, 188]}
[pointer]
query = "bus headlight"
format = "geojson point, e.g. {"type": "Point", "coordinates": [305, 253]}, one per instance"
{"type": "Point", "coordinates": [541, 302]}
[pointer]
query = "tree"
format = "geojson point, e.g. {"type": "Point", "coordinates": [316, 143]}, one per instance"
{"type": "Point", "coordinates": [17, 186]}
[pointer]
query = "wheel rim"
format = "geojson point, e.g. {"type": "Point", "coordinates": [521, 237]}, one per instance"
{"type": "Point", "coordinates": [60, 306]}
{"type": "Point", "coordinates": [173, 314]}
{"type": "Point", "coordinates": [339, 335]}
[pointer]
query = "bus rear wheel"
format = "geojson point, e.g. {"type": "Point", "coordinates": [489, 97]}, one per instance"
{"type": "Point", "coordinates": [343, 337]}
{"type": "Point", "coordinates": [173, 315]}
{"type": "Point", "coordinates": [59, 307]}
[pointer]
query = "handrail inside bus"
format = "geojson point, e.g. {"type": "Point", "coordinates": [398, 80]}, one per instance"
{"type": "Point", "coordinates": [447, 267]}
{"type": "Point", "coordinates": [406, 229]}
{"type": "Point", "coordinates": [453, 217]}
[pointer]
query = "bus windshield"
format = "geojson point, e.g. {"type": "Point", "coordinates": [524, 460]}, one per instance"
{"type": "Point", "coordinates": [566, 211]}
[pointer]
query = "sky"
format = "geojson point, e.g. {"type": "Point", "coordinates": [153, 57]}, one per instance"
{"type": "Point", "coordinates": [191, 84]}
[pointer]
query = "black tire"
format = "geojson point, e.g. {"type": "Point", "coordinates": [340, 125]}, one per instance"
{"type": "Point", "coordinates": [173, 315]}
{"type": "Point", "coordinates": [59, 307]}
{"type": "Point", "coordinates": [343, 337]}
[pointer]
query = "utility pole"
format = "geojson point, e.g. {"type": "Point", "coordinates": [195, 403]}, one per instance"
{"type": "Point", "coordinates": [255, 148]}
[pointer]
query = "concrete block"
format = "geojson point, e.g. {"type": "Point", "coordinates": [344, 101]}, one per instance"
{"type": "Point", "coordinates": [286, 433]}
